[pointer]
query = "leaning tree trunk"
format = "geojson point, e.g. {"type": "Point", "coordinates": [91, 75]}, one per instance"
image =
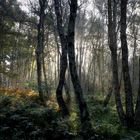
{"type": "Point", "coordinates": [63, 67]}
{"type": "Point", "coordinates": [125, 67]}
{"type": "Point", "coordinates": [84, 115]}
{"type": "Point", "coordinates": [112, 40]}
{"type": "Point", "coordinates": [63, 61]}
{"type": "Point", "coordinates": [66, 87]}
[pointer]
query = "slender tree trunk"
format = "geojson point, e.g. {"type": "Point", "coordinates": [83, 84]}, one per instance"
{"type": "Point", "coordinates": [40, 47]}
{"type": "Point", "coordinates": [84, 115]}
{"type": "Point", "coordinates": [125, 67]}
{"type": "Point", "coordinates": [66, 87]}
{"type": "Point", "coordinates": [113, 48]}
{"type": "Point", "coordinates": [63, 61]}
{"type": "Point", "coordinates": [63, 67]}
{"type": "Point", "coordinates": [39, 66]}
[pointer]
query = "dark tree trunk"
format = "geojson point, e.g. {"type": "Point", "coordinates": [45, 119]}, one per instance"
{"type": "Point", "coordinates": [67, 44]}
{"type": "Point", "coordinates": [63, 61]}
{"type": "Point", "coordinates": [125, 67]}
{"type": "Point", "coordinates": [84, 115]}
{"type": "Point", "coordinates": [39, 61]}
{"type": "Point", "coordinates": [137, 110]}
{"type": "Point", "coordinates": [113, 47]}
{"type": "Point", "coordinates": [40, 47]}
{"type": "Point", "coordinates": [66, 87]}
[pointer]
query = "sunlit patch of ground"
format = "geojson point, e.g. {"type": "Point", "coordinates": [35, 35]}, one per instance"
{"type": "Point", "coordinates": [17, 91]}
{"type": "Point", "coordinates": [19, 95]}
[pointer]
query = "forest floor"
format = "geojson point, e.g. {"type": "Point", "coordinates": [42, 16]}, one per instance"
{"type": "Point", "coordinates": [24, 117]}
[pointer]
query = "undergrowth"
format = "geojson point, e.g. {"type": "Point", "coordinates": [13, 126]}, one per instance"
{"type": "Point", "coordinates": [23, 116]}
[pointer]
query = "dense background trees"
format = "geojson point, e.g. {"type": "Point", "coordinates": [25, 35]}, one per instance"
{"type": "Point", "coordinates": [74, 52]}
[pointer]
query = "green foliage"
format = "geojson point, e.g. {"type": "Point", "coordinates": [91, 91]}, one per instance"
{"type": "Point", "coordinates": [23, 112]}
{"type": "Point", "coordinates": [32, 85]}
{"type": "Point", "coordinates": [29, 119]}
{"type": "Point", "coordinates": [73, 122]}
{"type": "Point", "coordinates": [4, 101]}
